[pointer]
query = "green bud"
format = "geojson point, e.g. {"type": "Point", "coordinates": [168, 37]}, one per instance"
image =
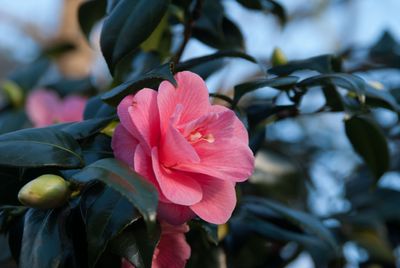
{"type": "Point", "coordinates": [14, 93]}
{"type": "Point", "coordinates": [109, 129]}
{"type": "Point", "coordinates": [44, 192]}
{"type": "Point", "coordinates": [278, 58]}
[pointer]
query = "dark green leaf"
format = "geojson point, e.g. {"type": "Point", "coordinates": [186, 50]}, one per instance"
{"type": "Point", "coordinates": [305, 221]}
{"type": "Point", "coordinates": [278, 82]}
{"type": "Point", "coordinates": [12, 121]}
{"type": "Point", "coordinates": [386, 51]}
{"type": "Point", "coordinates": [106, 215]}
{"type": "Point", "coordinates": [369, 142]}
{"type": "Point", "coordinates": [348, 81]}
{"type": "Point", "coordinates": [266, 5]}
{"type": "Point", "coordinates": [224, 36]}
{"type": "Point", "coordinates": [333, 98]}
{"type": "Point", "coordinates": [189, 64]}
{"type": "Point", "coordinates": [210, 229]}
{"type": "Point", "coordinates": [135, 244]}
{"type": "Point", "coordinates": [322, 64]}
{"type": "Point", "coordinates": [95, 108]}
{"type": "Point", "coordinates": [381, 98]}
{"type": "Point", "coordinates": [121, 178]}
{"type": "Point", "coordinates": [127, 25]}
{"type": "Point", "coordinates": [89, 13]}
{"type": "Point", "coordinates": [46, 242]}
{"type": "Point", "coordinates": [248, 224]}
{"type": "Point", "coordinates": [149, 80]}
{"type": "Point", "coordinates": [97, 148]}
{"type": "Point", "coordinates": [86, 128]}
{"type": "Point", "coordinates": [8, 214]}
{"type": "Point", "coordinates": [40, 147]}
{"type": "Point", "coordinates": [66, 87]}
{"type": "Point", "coordinates": [28, 77]}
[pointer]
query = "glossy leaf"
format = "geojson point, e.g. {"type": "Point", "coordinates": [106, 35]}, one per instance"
{"type": "Point", "coordinates": [267, 5]}
{"type": "Point", "coordinates": [348, 81]}
{"type": "Point", "coordinates": [189, 64]}
{"type": "Point", "coordinates": [40, 147]}
{"type": "Point", "coordinates": [46, 241]}
{"type": "Point", "coordinates": [149, 80]}
{"type": "Point", "coordinates": [95, 108]}
{"type": "Point", "coordinates": [90, 13]}
{"type": "Point", "coordinates": [305, 221]}
{"type": "Point", "coordinates": [86, 128]}
{"type": "Point", "coordinates": [127, 25]}
{"type": "Point", "coordinates": [12, 121]}
{"type": "Point", "coordinates": [121, 178]}
{"type": "Point", "coordinates": [28, 77]}
{"type": "Point", "coordinates": [136, 245]}
{"type": "Point", "coordinates": [321, 64]}
{"type": "Point", "coordinates": [369, 142]}
{"type": "Point", "coordinates": [106, 214]}
{"type": "Point", "coordinates": [278, 82]}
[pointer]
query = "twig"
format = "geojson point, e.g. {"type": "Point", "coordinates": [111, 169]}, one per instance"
{"type": "Point", "coordinates": [193, 15]}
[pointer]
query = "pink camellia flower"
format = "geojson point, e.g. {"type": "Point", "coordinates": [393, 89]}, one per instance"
{"type": "Point", "coordinates": [44, 108]}
{"type": "Point", "coordinates": [172, 250]}
{"type": "Point", "coordinates": [192, 151]}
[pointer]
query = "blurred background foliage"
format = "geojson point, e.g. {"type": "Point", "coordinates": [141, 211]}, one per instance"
{"type": "Point", "coordinates": [321, 105]}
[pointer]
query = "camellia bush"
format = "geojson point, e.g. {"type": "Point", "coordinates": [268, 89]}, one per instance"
{"type": "Point", "coordinates": [156, 171]}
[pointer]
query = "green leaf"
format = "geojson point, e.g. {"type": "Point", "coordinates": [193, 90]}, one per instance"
{"type": "Point", "coordinates": [268, 6]}
{"type": "Point", "coordinates": [250, 224]}
{"type": "Point", "coordinates": [333, 98]}
{"type": "Point", "coordinates": [89, 13]}
{"type": "Point", "coordinates": [321, 64]}
{"type": "Point", "coordinates": [369, 142]}
{"type": "Point", "coordinates": [28, 77]}
{"type": "Point", "coordinates": [381, 98]}
{"type": "Point", "coordinates": [96, 148]}
{"type": "Point", "coordinates": [86, 128]}
{"type": "Point", "coordinates": [12, 120]}
{"type": "Point", "coordinates": [135, 245]}
{"type": "Point", "coordinates": [65, 87]}
{"type": "Point", "coordinates": [224, 36]}
{"type": "Point", "coordinates": [189, 64]}
{"type": "Point", "coordinates": [95, 108]}
{"type": "Point", "coordinates": [8, 214]}
{"type": "Point", "coordinates": [127, 25]}
{"type": "Point", "coordinates": [46, 241]}
{"type": "Point", "coordinates": [278, 82]}
{"type": "Point", "coordinates": [40, 147]}
{"type": "Point", "coordinates": [350, 82]}
{"type": "Point", "coordinates": [210, 229]}
{"type": "Point", "coordinates": [150, 80]}
{"type": "Point", "coordinates": [106, 214]}
{"type": "Point", "coordinates": [142, 194]}
{"type": "Point", "coordinates": [305, 221]}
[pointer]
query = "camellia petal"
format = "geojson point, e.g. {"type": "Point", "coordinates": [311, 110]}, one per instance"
{"type": "Point", "coordinates": [143, 113]}
{"type": "Point", "coordinates": [176, 186]}
{"type": "Point", "coordinates": [120, 144]}
{"type": "Point", "coordinates": [174, 214]}
{"type": "Point", "coordinates": [191, 93]}
{"type": "Point", "coordinates": [44, 107]}
{"type": "Point", "coordinates": [218, 202]}
{"type": "Point", "coordinates": [41, 106]}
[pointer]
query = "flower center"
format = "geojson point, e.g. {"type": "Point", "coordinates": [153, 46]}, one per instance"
{"type": "Point", "coordinates": [196, 136]}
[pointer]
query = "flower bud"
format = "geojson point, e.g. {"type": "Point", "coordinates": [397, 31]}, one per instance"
{"type": "Point", "coordinates": [44, 192]}
{"type": "Point", "coordinates": [278, 58]}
